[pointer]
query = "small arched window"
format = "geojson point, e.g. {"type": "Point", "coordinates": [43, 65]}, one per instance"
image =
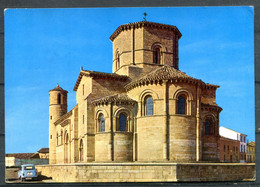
{"type": "Point", "coordinates": [101, 123]}
{"type": "Point", "coordinates": [59, 98]}
{"type": "Point", "coordinates": [148, 106]}
{"type": "Point", "coordinates": [122, 122]}
{"type": "Point", "coordinates": [117, 60]}
{"type": "Point", "coordinates": [57, 139]}
{"type": "Point", "coordinates": [66, 140]}
{"type": "Point", "coordinates": [181, 105]}
{"type": "Point", "coordinates": [208, 128]}
{"type": "Point", "coordinates": [157, 55]}
{"type": "Point", "coordinates": [61, 137]}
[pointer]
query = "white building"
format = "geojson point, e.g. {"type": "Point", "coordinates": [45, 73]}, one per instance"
{"type": "Point", "coordinates": [234, 135]}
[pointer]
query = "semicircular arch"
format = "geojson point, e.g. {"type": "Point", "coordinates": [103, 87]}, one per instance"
{"type": "Point", "coordinates": [103, 111]}
{"type": "Point", "coordinates": [122, 110]}
{"type": "Point", "coordinates": [183, 91]}
{"type": "Point", "coordinates": [66, 136]}
{"type": "Point", "coordinates": [146, 92]}
{"type": "Point", "coordinates": [158, 44]}
{"type": "Point", "coordinates": [209, 116]}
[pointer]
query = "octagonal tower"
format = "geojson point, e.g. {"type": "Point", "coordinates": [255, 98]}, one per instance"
{"type": "Point", "coordinates": [138, 47]}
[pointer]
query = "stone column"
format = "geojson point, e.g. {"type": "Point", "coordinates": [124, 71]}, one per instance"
{"type": "Point", "coordinates": [166, 122]}
{"type": "Point", "coordinates": [198, 148]}
{"type": "Point", "coordinates": [111, 132]}
{"type": "Point", "coordinates": [133, 44]}
{"type": "Point", "coordinates": [134, 130]}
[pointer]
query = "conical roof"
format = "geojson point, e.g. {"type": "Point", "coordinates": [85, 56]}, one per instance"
{"type": "Point", "coordinates": [165, 73]}
{"type": "Point", "coordinates": [58, 88]}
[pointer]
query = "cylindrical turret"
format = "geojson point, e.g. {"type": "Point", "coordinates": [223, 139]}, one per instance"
{"type": "Point", "coordinates": [57, 108]}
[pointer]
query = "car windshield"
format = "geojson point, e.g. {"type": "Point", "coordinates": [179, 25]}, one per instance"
{"type": "Point", "coordinates": [28, 168]}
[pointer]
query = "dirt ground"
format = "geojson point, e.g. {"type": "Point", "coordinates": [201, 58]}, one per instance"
{"type": "Point", "coordinates": [11, 176]}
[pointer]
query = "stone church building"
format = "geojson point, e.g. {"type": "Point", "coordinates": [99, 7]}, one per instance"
{"type": "Point", "coordinates": [146, 110]}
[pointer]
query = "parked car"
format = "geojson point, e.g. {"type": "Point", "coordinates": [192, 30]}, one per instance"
{"type": "Point", "coordinates": [27, 171]}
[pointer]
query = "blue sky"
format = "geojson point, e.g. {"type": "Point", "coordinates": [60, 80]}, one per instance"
{"type": "Point", "coordinates": [44, 47]}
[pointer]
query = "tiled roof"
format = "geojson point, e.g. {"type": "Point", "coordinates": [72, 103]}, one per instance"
{"type": "Point", "coordinates": [159, 74]}
{"type": "Point", "coordinates": [167, 73]}
{"type": "Point", "coordinates": [210, 107]}
{"type": "Point", "coordinates": [20, 155]}
{"type": "Point", "coordinates": [58, 88]}
{"type": "Point", "coordinates": [65, 116]}
{"type": "Point", "coordinates": [144, 24]}
{"type": "Point", "coordinates": [251, 144]}
{"type": "Point", "coordinates": [213, 85]}
{"type": "Point", "coordinates": [44, 150]}
{"type": "Point", "coordinates": [96, 74]}
{"type": "Point", "coordinates": [35, 155]}
{"type": "Point", "coordinates": [114, 99]}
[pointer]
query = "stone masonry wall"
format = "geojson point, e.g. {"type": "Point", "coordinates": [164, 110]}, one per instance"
{"type": "Point", "coordinates": [148, 172]}
{"type": "Point", "coordinates": [215, 172]}
{"type": "Point", "coordinates": [165, 38]}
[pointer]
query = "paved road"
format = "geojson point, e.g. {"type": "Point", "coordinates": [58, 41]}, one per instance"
{"type": "Point", "coordinates": [29, 181]}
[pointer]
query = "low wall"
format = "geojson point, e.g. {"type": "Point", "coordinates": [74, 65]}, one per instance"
{"type": "Point", "coordinates": [11, 173]}
{"type": "Point", "coordinates": [11, 161]}
{"type": "Point", "coordinates": [35, 161]}
{"type": "Point", "coordinates": [215, 172]}
{"type": "Point", "coordinates": [148, 172]}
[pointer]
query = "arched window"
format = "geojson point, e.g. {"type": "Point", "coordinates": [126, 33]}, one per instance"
{"type": "Point", "coordinates": [208, 128]}
{"type": "Point", "coordinates": [101, 123]}
{"type": "Point", "coordinates": [61, 137]}
{"type": "Point", "coordinates": [117, 60]}
{"type": "Point", "coordinates": [181, 105]}
{"type": "Point", "coordinates": [66, 150]}
{"type": "Point", "coordinates": [59, 98]}
{"type": "Point", "coordinates": [81, 150]}
{"type": "Point", "coordinates": [148, 106]}
{"type": "Point", "coordinates": [157, 55]}
{"type": "Point", "coordinates": [66, 140]}
{"type": "Point", "coordinates": [122, 122]}
{"type": "Point", "coordinates": [57, 139]}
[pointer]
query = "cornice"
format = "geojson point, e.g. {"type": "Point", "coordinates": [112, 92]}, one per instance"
{"type": "Point", "coordinates": [62, 118]}
{"type": "Point", "coordinates": [100, 75]}
{"type": "Point", "coordinates": [117, 99]}
{"type": "Point", "coordinates": [65, 122]}
{"type": "Point", "coordinates": [208, 107]}
{"type": "Point", "coordinates": [144, 24]}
